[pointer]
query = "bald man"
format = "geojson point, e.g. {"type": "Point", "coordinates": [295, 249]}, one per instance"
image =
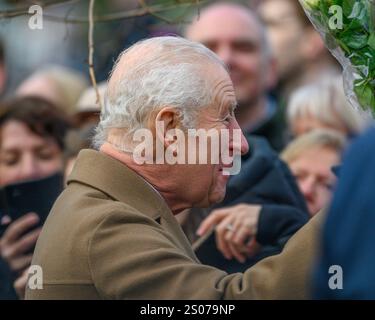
{"type": "Point", "coordinates": [236, 35]}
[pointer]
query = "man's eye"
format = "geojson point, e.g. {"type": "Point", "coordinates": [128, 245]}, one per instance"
{"type": "Point", "coordinates": [45, 155]}
{"type": "Point", "coordinates": [299, 176]}
{"type": "Point", "coordinates": [328, 185]}
{"type": "Point", "coordinates": [9, 161]}
{"type": "Point", "coordinates": [228, 118]}
{"type": "Point", "coordinates": [245, 47]}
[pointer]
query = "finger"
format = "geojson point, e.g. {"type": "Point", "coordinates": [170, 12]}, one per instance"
{"type": "Point", "coordinates": [223, 247]}
{"type": "Point", "coordinates": [21, 246]}
{"type": "Point", "coordinates": [223, 227]}
{"type": "Point", "coordinates": [212, 220]}
{"type": "Point", "coordinates": [27, 241]}
{"type": "Point", "coordinates": [222, 244]}
{"type": "Point", "coordinates": [21, 263]}
{"type": "Point", "coordinates": [229, 236]}
{"type": "Point", "coordinates": [20, 285]}
{"type": "Point", "coordinates": [239, 221]}
{"type": "Point", "coordinates": [19, 227]}
{"type": "Point", "coordinates": [249, 216]}
{"type": "Point", "coordinates": [241, 236]}
{"type": "Point", "coordinates": [5, 220]}
{"type": "Point", "coordinates": [237, 254]}
{"type": "Point", "coordinates": [253, 247]}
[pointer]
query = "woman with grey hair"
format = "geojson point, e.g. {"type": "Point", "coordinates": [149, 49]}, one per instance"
{"type": "Point", "coordinates": [323, 104]}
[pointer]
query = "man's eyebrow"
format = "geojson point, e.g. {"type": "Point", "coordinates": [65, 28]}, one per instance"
{"type": "Point", "coordinates": [233, 106]}
{"type": "Point", "coordinates": [9, 150]}
{"type": "Point", "coordinates": [251, 40]}
{"type": "Point", "coordinates": [209, 42]}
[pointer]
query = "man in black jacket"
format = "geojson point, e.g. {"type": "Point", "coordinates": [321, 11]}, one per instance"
{"type": "Point", "coordinates": [237, 36]}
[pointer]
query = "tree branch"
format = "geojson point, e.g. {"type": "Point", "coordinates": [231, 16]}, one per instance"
{"type": "Point", "coordinates": [91, 52]}
{"type": "Point", "coordinates": [104, 18]}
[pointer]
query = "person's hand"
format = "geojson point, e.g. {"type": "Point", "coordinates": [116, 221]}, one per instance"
{"type": "Point", "coordinates": [20, 284]}
{"type": "Point", "coordinates": [15, 244]}
{"type": "Point", "coordinates": [236, 228]}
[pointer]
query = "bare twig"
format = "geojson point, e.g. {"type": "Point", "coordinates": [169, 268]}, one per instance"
{"type": "Point", "coordinates": [104, 18]}
{"type": "Point", "coordinates": [149, 11]}
{"type": "Point", "coordinates": [91, 51]}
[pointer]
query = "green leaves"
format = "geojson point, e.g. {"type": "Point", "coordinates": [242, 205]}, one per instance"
{"type": "Point", "coordinates": [371, 41]}
{"type": "Point", "coordinates": [365, 93]}
{"type": "Point", "coordinates": [356, 39]}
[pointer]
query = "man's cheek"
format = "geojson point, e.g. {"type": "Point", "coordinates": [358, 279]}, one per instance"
{"type": "Point", "coordinates": [206, 176]}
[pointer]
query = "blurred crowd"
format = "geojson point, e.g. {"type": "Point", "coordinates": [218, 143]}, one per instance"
{"type": "Point", "coordinates": [291, 108]}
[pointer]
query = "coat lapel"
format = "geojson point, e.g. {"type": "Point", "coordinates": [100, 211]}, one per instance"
{"type": "Point", "coordinates": [123, 184]}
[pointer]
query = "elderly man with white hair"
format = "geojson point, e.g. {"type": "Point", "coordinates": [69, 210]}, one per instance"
{"type": "Point", "coordinates": [112, 234]}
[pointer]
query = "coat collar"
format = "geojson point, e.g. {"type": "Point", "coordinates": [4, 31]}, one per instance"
{"type": "Point", "coordinates": [112, 177]}
{"type": "Point", "coordinates": [119, 182]}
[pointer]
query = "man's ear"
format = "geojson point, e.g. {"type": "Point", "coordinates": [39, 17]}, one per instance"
{"type": "Point", "coordinates": [166, 120]}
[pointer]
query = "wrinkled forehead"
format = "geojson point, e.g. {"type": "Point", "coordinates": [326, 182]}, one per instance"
{"type": "Point", "coordinates": [222, 88]}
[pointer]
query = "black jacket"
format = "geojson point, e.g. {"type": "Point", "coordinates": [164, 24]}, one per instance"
{"type": "Point", "coordinates": [6, 285]}
{"type": "Point", "coordinates": [273, 127]}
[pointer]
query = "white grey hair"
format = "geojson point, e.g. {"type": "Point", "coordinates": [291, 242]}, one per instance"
{"type": "Point", "coordinates": [157, 72]}
{"type": "Point", "coordinates": [325, 100]}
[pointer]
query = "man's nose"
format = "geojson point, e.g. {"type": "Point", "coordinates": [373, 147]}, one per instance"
{"type": "Point", "coordinates": [244, 144]}
{"type": "Point", "coordinates": [225, 53]}
{"type": "Point", "coordinates": [308, 188]}
{"type": "Point", "coordinates": [29, 168]}
{"type": "Point", "coordinates": [241, 145]}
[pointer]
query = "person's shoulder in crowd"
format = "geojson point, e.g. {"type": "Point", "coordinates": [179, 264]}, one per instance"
{"type": "Point", "coordinates": [348, 236]}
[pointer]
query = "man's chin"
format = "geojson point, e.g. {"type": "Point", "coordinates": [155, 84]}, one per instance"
{"type": "Point", "coordinates": [217, 197]}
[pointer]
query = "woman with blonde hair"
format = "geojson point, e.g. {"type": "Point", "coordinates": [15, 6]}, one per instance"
{"type": "Point", "coordinates": [311, 158]}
